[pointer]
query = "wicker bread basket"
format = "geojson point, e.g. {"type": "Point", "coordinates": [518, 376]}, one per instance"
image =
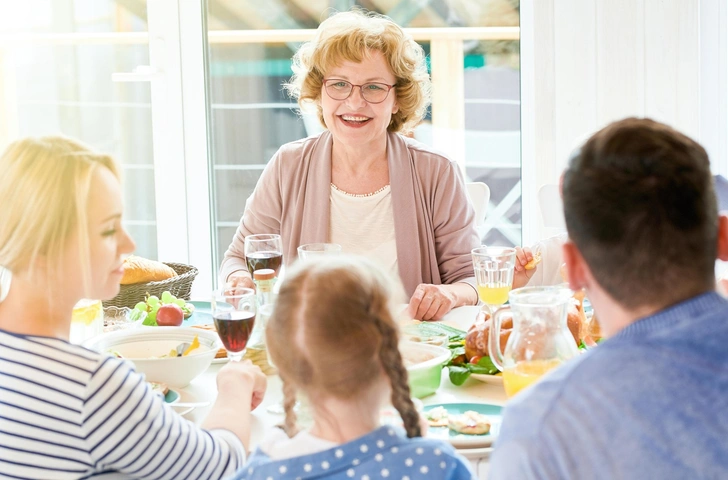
{"type": "Point", "coordinates": [179, 286]}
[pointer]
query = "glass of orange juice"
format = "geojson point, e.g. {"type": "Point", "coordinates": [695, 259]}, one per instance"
{"type": "Point", "coordinates": [87, 320]}
{"type": "Point", "coordinates": [493, 274]}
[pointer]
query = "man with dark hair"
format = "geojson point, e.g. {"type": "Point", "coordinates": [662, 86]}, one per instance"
{"type": "Point", "coordinates": [652, 401]}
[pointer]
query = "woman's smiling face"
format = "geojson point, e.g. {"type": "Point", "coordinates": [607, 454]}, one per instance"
{"type": "Point", "coordinates": [354, 122]}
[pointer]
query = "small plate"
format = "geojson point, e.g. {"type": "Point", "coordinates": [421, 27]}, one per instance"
{"type": "Point", "coordinates": [460, 440]}
{"type": "Point", "coordinates": [215, 361]}
{"type": "Point", "coordinates": [201, 316]}
{"type": "Point", "coordinates": [171, 396]}
{"type": "Point", "coordinates": [489, 379]}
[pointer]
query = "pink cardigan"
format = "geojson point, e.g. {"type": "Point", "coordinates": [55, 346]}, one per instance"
{"type": "Point", "coordinates": [434, 221]}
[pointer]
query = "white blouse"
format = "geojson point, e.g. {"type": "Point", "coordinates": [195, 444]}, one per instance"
{"type": "Point", "coordinates": [364, 225]}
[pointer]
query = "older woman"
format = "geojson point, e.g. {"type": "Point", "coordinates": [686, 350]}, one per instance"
{"type": "Point", "coordinates": [361, 183]}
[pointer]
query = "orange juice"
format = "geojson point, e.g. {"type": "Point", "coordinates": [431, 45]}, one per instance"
{"type": "Point", "coordinates": [524, 374]}
{"type": "Point", "coordinates": [87, 320]}
{"type": "Point", "coordinates": [493, 295]}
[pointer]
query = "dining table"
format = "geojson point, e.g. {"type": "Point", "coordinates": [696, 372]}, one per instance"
{"type": "Point", "coordinates": [203, 391]}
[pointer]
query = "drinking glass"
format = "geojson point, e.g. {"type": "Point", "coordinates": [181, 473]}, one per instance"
{"type": "Point", "coordinates": [264, 251]}
{"type": "Point", "coordinates": [315, 250]}
{"type": "Point", "coordinates": [494, 275]}
{"type": "Point", "coordinates": [87, 320]}
{"type": "Point", "coordinates": [234, 317]}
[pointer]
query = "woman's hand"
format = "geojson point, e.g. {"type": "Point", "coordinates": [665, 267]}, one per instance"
{"type": "Point", "coordinates": [432, 302]}
{"type": "Point", "coordinates": [521, 276]}
{"type": "Point", "coordinates": [237, 280]}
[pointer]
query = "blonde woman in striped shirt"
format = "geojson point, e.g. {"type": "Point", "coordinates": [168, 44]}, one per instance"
{"type": "Point", "coordinates": [67, 412]}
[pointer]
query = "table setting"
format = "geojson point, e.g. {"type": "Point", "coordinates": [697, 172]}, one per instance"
{"type": "Point", "coordinates": [461, 369]}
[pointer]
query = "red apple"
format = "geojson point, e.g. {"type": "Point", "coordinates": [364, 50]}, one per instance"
{"type": "Point", "coordinates": [170, 315]}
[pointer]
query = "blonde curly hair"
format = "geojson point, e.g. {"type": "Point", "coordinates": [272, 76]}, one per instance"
{"type": "Point", "coordinates": [351, 36]}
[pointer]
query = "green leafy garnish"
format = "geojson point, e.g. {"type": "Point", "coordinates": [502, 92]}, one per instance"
{"type": "Point", "coordinates": [460, 372]}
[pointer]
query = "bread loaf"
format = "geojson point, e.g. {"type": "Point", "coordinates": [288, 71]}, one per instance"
{"type": "Point", "coordinates": [142, 270]}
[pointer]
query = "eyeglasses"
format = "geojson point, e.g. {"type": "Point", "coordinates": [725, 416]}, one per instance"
{"type": "Point", "coordinates": [371, 92]}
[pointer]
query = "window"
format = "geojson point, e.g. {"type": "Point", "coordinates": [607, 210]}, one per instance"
{"type": "Point", "coordinates": [475, 117]}
{"type": "Point", "coordinates": [57, 60]}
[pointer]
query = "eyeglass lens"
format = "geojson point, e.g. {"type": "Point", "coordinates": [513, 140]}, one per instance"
{"type": "Point", "coordinates": [372, 92]}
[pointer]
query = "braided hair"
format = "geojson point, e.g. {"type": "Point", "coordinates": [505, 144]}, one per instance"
{"type": "Point", "coordinates": [333, 314]}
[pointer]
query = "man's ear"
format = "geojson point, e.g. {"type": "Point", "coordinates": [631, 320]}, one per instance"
{"type": "Point", "coordinates": [723, 237]}
{"type": "Point", "coordinates": [576, 267]}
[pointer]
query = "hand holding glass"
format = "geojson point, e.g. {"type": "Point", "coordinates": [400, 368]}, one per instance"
{"type": "Point", "coordinates": [234, 317]}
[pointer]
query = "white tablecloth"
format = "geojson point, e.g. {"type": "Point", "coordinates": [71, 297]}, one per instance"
{"type": "Point", "coordinates": [203, 388]}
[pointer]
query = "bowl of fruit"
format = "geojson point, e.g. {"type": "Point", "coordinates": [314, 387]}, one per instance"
{"type": "Point", "coordinates": [164, 311]}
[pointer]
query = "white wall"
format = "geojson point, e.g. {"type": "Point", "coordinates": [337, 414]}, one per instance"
{"type": "Point", "coordinates": [586, 63]}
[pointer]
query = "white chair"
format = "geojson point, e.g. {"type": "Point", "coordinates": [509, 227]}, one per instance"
{"type": "Point", "coordinates": [552, 209]}
{"type": "Point", "coordinates": [479, 195]}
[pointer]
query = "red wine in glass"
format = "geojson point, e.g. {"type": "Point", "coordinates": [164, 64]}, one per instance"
{"type": "Point", "coordinates": [265, 259]}
{"type": "Point", "coordinates": [234, 328]}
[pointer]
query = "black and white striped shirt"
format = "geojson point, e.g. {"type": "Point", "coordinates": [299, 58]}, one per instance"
{"type": "Point", "coordinates": [69, 413]}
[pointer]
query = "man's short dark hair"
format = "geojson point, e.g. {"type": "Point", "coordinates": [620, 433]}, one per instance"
{"type": "Point", "coordinates": [640, 207]}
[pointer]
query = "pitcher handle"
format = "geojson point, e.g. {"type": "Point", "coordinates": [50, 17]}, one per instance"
{"type": "Point", "coordinates": [494, 350]}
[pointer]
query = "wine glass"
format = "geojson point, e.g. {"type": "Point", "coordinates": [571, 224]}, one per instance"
{"type": "Point", "coordinates": [264, 251]}
{"type": "Point", "coordinates": [234, 317]}
{"type": "Point", "coordinates": [494, 275]}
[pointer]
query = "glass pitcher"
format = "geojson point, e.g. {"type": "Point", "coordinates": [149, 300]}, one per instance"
{"type": "Point", "coordinates": [540, 339]}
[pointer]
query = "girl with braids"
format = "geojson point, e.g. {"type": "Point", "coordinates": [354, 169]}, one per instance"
{"type": "Point", "coordinates": [334, 338]}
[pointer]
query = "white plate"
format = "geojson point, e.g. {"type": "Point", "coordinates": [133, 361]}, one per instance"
{"type": "Point", "coordinates": [489, 379]}
{"type": "Point", "coordinates": [220, 360]}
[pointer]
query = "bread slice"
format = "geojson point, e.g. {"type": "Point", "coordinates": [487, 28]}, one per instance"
{"type": "Point", "coordinates": [469, 423]}
{"type": "Point", "coordinates": [159, 388]}
{"type": "Point", "coordinates": [437, 417]}
{"type": "Point", "coordinates": [142, 270]}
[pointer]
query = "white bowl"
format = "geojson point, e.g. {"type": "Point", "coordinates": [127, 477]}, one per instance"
{"type": "Point", "coordinates": [140, 345]}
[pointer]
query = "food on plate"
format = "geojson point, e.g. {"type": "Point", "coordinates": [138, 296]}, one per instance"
{"type": "Point", "coordinates": [221, 353]}
{"type": "Point", "coordinates": [170, 315]}
{"type": "Point", "coordinates": [159, 388]}
{"type": "Point", "coordinates": [469, 423]}
{"type": "Point", "coordinates": [476, 341]}
{"type": "Point", "coordinates": [437, 417]}
{"type": "Point", "coordinates": [534, 261]}
{"type": "Point", "coordinates": [576, 320]}
{"type": "Point", "coordinates": [142, 270]}
{"type": "Point", "coordinates": [181, 350]}
{"type": "Point", "coordinates": [152, 304]}
{"type": "Point", "coordinates": [414, 357]}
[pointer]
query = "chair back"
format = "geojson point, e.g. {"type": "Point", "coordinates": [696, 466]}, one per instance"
{"type": "Point", "coordinates": [552, 208]}
{"type": "Point", "coordinates": [479, 195]}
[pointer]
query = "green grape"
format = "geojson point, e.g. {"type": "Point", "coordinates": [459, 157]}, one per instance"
{"type": "Point", "coordinates": [179, 302]}
{"type": "Point", "coordinates": [153, 300]}
{"type": "Point", "coordinates": [141, 306]}
{"type": "Point", "coordinates": [152, 316]}
{"type": "Point", "coordinates": [167, 297]}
